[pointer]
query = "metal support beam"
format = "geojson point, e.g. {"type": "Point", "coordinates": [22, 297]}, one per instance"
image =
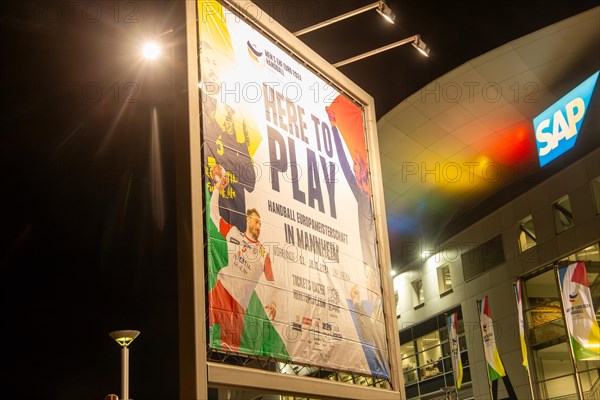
{"type": "Point", "coordinates": [255, 379]}
{"type": "Point", "coordinates": [190, 257]}
{"type": "Point", "coordinates": [376, 51]}
{"type": "Point", "coordinates": [337, 19]}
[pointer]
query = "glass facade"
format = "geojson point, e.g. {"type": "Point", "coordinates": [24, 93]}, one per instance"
{"type": "Point", "coordinates": [552, 366]}
{"type": "Point", "coordinates": [426, 360]}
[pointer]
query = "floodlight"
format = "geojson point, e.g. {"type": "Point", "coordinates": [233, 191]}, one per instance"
{"type": "Point", "coordinates": [415, 40]}
{"type": "Point", "coordinates": [386, 12]}
{"type": "Point", "coordinates": [421, 46]}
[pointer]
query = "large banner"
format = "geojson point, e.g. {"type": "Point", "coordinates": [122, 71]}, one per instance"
{"type": "Point", "coordinates": [292, 263]}
{"type": "Point", "coordinates": [580, 314]}
{"type": "Point", "coordinates": [492, 356]}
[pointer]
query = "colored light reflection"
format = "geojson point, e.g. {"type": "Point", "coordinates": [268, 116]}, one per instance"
{"type": "Point", "coordinates": [522, 145]}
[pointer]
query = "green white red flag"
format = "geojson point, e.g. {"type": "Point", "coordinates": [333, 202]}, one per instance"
{"type": "Point", "coordinates": [492, 357]}
{"type": "Point", "coordinates": [579, 312]}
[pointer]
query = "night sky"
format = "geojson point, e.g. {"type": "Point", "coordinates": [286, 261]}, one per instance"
{"type": "Point", "coordinates": [88, 186]}
{"type": "Point", "coordinates": [88, 212]}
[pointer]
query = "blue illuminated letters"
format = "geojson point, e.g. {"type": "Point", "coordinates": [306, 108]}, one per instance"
{"type": "Point", "coordinates": [557, 127]}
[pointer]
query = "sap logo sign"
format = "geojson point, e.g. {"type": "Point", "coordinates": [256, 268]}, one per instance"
{"type": "Point", "coordinates": [556, 128]}
{"type": "Point", "coordinates": [563, 127]}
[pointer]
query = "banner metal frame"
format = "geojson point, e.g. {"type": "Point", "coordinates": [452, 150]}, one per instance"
{"type": "Point", "coordinates": [196, 373]}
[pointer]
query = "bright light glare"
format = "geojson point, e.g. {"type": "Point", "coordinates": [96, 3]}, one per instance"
{"type": "Point", "coordinates": [388, 19]}
{"type": "Point", "coordinates": [151, 50]}
{"type": "Point", "coordinates": [424, 52]}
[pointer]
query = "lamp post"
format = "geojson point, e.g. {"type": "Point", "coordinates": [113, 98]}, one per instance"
{"type": "Point", "coordinates": [124, 339]}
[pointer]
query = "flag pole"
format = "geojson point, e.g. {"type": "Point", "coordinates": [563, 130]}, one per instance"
{"type": "Point", "coordinates": [518, 288]}
{"type": "Point", "coordinates": [487, 371]}
{"type": "Point", "coordinates": [457, 369]}
{"type": "Point", "coordinates": [564, 313]}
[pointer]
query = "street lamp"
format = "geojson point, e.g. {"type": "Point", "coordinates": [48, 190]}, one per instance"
{"type": "Point", "coordinates": [124, 339]}
{"type": "Point", "coordinates": [151, 50]}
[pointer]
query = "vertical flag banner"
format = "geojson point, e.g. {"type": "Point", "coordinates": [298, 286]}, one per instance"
{"type": "Point", "coordinates": [492, 357]}
{"type": "Point", "coordinates": [519, 298]}
{"type": "Point", "coordinates": [293, 271]}
{"type": "Point", "coordinates": [457, 367]}
{"type": "Point", "coordinates": [579, 312]}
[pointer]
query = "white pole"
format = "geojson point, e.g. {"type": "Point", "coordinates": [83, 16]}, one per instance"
{"type": "Point", "coordinates": [125, 373]}
{"type": "Point", "coordinates": [124, 338]}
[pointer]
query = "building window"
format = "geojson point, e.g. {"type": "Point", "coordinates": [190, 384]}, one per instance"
{"type": "Point", "coordinates": [418, 294]}
{"type": "Point", "coordinates": [596, 193]}
{"type": "Point", "coordinates": [563, 216]}
{"type": "Point", "coordinates": [444, 279]}
{"type": "Point", "coordinates": [426, 359]}
{"type": "Point", "coordinates": [409, 362]}
{"type": "Point", "coordinates": [527, 238]}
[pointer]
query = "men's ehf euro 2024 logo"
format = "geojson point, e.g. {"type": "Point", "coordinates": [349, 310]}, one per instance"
{"type": "Point", "coordinates": [573, 296]}
{"type": "Point", "coordinates": [254, 52]}
{"type": "Point", "coordinates": [557, 127]}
